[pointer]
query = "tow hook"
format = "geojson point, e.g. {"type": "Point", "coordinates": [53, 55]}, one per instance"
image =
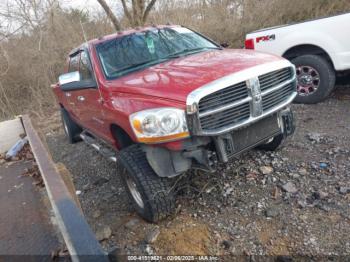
{"type": "Point", "coordinates": [288, 122]}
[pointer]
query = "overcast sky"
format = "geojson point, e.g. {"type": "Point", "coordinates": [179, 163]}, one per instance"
{"type": "Point", "coordinates": [89, 4]}
{"type": "Point", "coordinates": [80, 3]}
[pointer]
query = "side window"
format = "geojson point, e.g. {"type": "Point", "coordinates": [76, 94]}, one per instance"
{"type": "Point", "coordinates": [74, 63]}
{"type": "Point", "coordinates": [85, 67]}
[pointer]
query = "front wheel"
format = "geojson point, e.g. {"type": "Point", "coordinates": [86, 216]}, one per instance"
{"type": "Point", "coordinates": [316, 78]}
{"type": "Point", "coordinates": [272, 144]}
{"type": "Point", "coordinates": [151, 195]}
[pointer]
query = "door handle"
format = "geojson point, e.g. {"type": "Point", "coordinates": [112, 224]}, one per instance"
{"type": "Point", "coordinates": [68, 94]}
{"type": "Point", "coordinates": [81, 98]}
{"type": "Point", "coordinates": [100, 100]}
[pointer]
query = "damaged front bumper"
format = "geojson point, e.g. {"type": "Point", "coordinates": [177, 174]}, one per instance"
{"type": "Point", "coordinates": [205, 152]}
{"type": "Point", "coordinates": [238, 141]}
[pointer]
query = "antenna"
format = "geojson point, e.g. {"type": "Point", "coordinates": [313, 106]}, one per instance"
{"type": "Point", "coordinates": [82, 29]}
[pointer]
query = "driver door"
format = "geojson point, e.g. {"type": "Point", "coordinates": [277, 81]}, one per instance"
{"type": "Point", "coordinates": [71, 94]}
{"type": "Point", "coordinates": [88, 101]}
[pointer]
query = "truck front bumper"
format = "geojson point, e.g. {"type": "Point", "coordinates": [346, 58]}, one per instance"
{"type": "Point", "coordinates": [205, 152]}
{"type": "Point", "coordinates": [238, 141]}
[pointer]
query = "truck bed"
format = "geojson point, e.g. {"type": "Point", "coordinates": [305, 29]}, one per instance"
{"type": "Point", "coordinates": [296, 23]}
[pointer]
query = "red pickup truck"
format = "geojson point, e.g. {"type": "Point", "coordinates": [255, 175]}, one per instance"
{"type": "Point", "coordinates": [163, 100]}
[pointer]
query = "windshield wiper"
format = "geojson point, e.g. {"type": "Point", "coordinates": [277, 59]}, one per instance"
{"type": "Point", "coordinates": [136, 65]}
{"type": "Point", "coordinates": [188, 51]}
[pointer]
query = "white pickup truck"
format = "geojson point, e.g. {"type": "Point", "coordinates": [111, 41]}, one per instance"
{"type": "Point", "coordinates": [319, 49]}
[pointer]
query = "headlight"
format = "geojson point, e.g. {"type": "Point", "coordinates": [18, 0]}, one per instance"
{"type": "Point", "coordinates": [159, 125]}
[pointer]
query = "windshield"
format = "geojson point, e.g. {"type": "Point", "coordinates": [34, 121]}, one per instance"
{"type": "Point", "coordinates": [126, 54]}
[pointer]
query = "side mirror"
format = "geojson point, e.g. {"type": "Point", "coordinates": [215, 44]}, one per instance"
{"type": "Point", "coordinates": [69, 78]}
{"type": "Point", "coordinates": [72, 81]}
{"type": "Point", "coordinates": [224, 45]}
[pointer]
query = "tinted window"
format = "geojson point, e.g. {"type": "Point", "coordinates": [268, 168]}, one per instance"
{"type": "Point", "coordinates": [85, 67]}
{"type": "Point", "coordinates": [74, 63]}
{"type": "Point", "coordinates": [143, 49]}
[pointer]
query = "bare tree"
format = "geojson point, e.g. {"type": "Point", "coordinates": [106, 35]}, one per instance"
{"type": "Point", "coordinates": [110, 14]}
{"type": "Point", "coordinates": [137, 16]}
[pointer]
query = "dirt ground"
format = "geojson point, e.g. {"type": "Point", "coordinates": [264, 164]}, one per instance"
{"type": "Point", "coordinates": [295, 201]}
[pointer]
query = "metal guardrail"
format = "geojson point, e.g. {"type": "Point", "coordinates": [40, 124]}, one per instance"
{"type": "Point", "coordinates": [77, 234]}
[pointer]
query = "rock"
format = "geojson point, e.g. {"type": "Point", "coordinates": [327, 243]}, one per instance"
{"type": "Point", "coordinates": [314, 137]}
{"type": "Point", "coordinates": [100, 181]}
{"type": "Point", "coordinates": [2, 161]}
{"type": "Point", "coordinates": [323, 207]}
{"type": "Point", "coordinates": [108, 196]}
{"type": "Point", "coordinates": [227, 244]}
{"type": "Point", "coordinates": [152, 236]}
{"type": "Point", "coordinates": [266, 170]}
{"type": "Point", "coordinates": [103, 232]}
{"type": "Point", "coordinates": [228, 191]}
{"type": "Point", "coordinates": [344, 190]}
{"type": "Point", "coordinates": [294, 175]}
{"type": "Point", "coordinates": [251, 176]}
{"type": "Point", "coordinates": [78, 192]}
{"type": "Point", "coordinates": [132, 224]}
{"type": "Point", "coordinates": [302, 203]}
{"type": "Point", "coordinates": [149, 250]}
{"type": "Point", "coordinates": [86, 187]}
{"type": "Point", "coordinates": [303, 172]}
{"type": "Point", "coordinates": [272, 212]}
{"type": "Point", "coordinates": [320, 195]}
{"type": "Point", "coordinates": [290, 188]}
{"type": "Point", "coordinates": [96, 214]}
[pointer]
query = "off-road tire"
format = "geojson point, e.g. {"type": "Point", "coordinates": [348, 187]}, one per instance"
{"type": "Point", "coordinates": [327, 78]}
{"type": "Point", "coordinates": [156, 192]}
{"type": "Point", "coordinates": [276, 143]}
{"type": "Point", "coordinates": [71, 129]}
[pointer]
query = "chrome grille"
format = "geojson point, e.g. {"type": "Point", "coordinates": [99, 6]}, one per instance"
{"type": "Point", "coordinates": [223, 97]}
{"type": "Point", "coordinates": [228, 117]}
{"type": "Point", "coordinates": [237, 105]}
{"type": "Point", "coordinates": [275, 98]}
{"type": "Point", "coordinates": [275, 78]}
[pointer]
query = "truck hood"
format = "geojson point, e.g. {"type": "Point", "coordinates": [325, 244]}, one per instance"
{"type": "Point", "coordinates": [175, 79]}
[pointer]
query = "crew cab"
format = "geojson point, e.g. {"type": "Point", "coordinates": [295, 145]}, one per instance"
{"type": "Point", "coordinates": [319, 49]}
{"type": "Point", "coordinates": [166, 100]}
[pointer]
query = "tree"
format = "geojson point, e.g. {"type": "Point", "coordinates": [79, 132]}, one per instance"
{"type": "Point", "coordinates": [137, 16]}
{"type": "Point", "coordinates": [110, 14]}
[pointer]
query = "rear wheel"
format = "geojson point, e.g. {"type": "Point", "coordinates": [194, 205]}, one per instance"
{"type": "Point", "coordinates": [151, 195]}
{"type": "Point", "coordinates": [316, 78]}
{"type": "Point", "coordinates": [71, 129]}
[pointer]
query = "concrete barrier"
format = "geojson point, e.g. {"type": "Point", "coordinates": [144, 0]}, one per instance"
{"type": "Point", "coordinates": [77, 234]}
{"type": "Point", "coordinates": [10, 132]}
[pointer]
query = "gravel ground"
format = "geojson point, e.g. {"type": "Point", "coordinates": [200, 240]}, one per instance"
{"type": "Point", "coordinates": [291, 202]}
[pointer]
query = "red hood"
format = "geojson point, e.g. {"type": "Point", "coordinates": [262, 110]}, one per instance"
{"type": "Point", "coordinates": [175, 79]}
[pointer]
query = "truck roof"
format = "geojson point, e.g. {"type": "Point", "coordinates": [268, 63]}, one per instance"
{"type": "Point", "coordinates": [305, 21]}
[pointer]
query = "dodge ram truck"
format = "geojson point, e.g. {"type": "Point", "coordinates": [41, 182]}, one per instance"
{"type": "Point", "coordinates": [319, 49]}
{"type": "Point", "coordinates": [164, 100]}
